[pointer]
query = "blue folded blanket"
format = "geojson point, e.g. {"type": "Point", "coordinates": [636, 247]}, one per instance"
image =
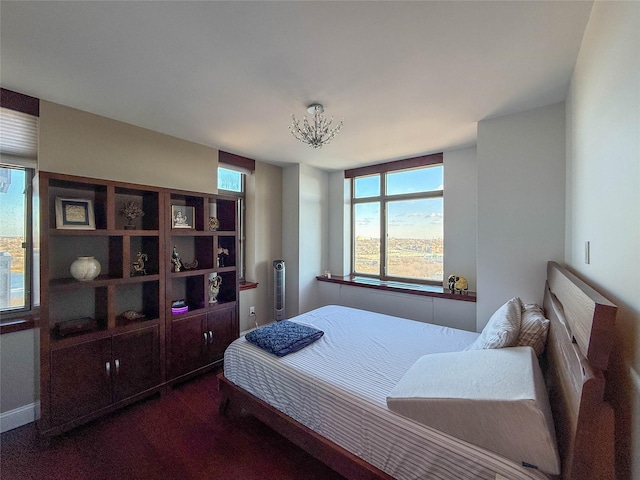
{"type": "Point", "coordinates": [281, 338]}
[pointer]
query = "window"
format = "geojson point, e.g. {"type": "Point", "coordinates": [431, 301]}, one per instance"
{"type": "Point", "coordinates": [18, 151]}
{"type": "Point", "coordinates": [232, 182]}
{"type": "Point", "coordinates": [397, 220]}
{"type": "Point", "coordinates": [232, 173]}
{"type": "Point", "coordinates": [14, 233]}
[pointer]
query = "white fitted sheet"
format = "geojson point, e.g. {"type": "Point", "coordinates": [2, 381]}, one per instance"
{"type": "Point", "coordinates": [338, 387]}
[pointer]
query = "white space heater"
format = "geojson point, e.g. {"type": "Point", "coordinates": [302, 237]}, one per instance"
{"type": "Point", "coordinates": [278, 290]}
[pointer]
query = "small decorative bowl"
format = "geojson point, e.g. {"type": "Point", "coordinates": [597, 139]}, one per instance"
{"type": "Point", "coordinates": [131, 316]}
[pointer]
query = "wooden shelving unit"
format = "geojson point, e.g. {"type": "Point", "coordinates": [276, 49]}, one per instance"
{"type": "Point", "coordinates": [196, 339]}
{"type": "Point", "coordinates": [115, 359]}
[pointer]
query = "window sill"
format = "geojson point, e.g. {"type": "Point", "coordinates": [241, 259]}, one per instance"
{"type": "Point", "coordinates": [19, 322]}
{"type": "Point", "coordinates": [401, 287]}
{"type": "Point", "coordinates": [247, 285]}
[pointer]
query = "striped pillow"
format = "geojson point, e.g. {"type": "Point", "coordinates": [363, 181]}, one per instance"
{"type": "Point", "coordinates": [533, 328]}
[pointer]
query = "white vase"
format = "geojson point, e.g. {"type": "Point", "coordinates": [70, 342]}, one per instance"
{"type": "Point", "coordinates": [85, 269]}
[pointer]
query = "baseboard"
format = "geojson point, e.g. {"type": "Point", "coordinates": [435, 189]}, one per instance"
{"type": "Point", "coordinates": [19, 416]}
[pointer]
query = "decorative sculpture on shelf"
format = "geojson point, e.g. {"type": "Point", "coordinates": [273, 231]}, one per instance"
{"type": "Point", "coordinates": [190, 266]}
{"type": "Point", "coordinates": [131, 211]}
{"type": "Point", "coordinates": [214, 224]}
{"type": "Point", "coordinates": [175, 260]}
{"type": "Point", "coordinates": [222, 254]}
{"type": "Point", "coordinates": [138, 265]}
{"type": "Point", "coordinates": [214, 287]}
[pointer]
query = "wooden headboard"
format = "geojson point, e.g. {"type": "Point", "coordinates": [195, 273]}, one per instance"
{"type": "Point", "coordinates": [576, 354]}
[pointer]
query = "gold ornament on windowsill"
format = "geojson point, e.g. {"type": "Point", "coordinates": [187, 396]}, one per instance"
{"type": "Point", "coordinates": [458, 284]}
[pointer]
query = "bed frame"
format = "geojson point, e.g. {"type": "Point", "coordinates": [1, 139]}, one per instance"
{"type": "Point", "coordinates": [576, 355]}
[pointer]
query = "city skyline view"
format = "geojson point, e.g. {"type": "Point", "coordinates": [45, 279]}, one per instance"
{"type": "Point", "coordinates": [12, 228]}
{"type": "Point", "coordinates": [413, 227]}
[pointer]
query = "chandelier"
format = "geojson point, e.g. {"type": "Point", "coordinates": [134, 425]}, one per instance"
{"type": "Point", "coordinates": [317, 133]}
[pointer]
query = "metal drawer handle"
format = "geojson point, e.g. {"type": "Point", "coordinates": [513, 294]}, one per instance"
{"type": "Point", "coordinates": [205, 338]}
{"type": "Point", "coordinates": [210, 336]}
{"type": "Point", "coordinates": [117, 362]}
{"type": "Point", "coordinates": [107, 367]}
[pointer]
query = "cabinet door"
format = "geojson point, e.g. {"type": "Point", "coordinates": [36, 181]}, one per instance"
{"type": "Point", "coordinates": [224, 327]}
{"type": "Point", "coordinates": [189, 342]}
{"type": "Point", "coordinates": [80, 380]}
{"type": "Point", "coordinates": [136, 362]}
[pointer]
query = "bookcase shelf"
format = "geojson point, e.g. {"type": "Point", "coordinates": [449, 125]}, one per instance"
{"type": "Point", "coordinates": [111, 340]}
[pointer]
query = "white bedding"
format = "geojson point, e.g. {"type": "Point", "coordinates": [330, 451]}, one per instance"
{"type": "Point", "coordinates": [338, 387]}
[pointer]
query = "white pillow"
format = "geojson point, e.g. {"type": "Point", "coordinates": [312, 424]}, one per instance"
{"type": "Point", "coordinates": [502, 329]}
{"type": "Point", "coordinates": [495, 399]}
{"type": "Point", "coordinates": [533, 328]}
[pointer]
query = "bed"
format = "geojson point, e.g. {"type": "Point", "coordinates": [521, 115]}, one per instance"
{"type": "Point", "coordinates": [332, 397]}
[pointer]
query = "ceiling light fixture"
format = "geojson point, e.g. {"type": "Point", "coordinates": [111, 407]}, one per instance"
{"type": "Point", "coordinates": [319, 132]}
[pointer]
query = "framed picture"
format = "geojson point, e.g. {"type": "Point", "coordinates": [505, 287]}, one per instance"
{"type": "Point", "coordinates": [75, 214]}
{"type": "Point", "coordinates": [182, 216]}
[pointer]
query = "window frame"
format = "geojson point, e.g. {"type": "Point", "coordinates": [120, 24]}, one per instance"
{"type": "Point", "coordinates": [241, 214]}
{"type": "Point", "coordinates": [27, 245]}
{"type": "Point", "coordinates": [245, 166]}
{"type": "Point", "coordinates": [25, 318]}
{"type": "Point", "coordinates": [383, 199]}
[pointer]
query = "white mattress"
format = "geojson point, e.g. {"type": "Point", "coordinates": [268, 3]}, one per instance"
{"type": "Point", "coordinates": [338, 387]}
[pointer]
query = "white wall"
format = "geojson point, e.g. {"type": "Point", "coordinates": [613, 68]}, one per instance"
{"type": "Point", "coordinates": [603, 199]}
{"type": "Point", "coordinates": [314, 241]}
{"type": "Point", "coordinates": [439, 311]}
{"type": "Point", "coordinates": [305, 241]}
{"type": "Point", "coordinates": [79, 143]}
{"type": "Point", "coordinates": [19, 378]}
{"type": "Point", "coordinates": [521, 185]}
{"type": "Point", "coordinates": [263, 242]}
{"type": "Point", "coordinates": [460, 210]}
{"type": "Point", "coordinates": [291, 237]}
{"type": "Point", "coordinates": [339, 233]}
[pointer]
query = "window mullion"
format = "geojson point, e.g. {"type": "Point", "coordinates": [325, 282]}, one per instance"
{"type": "Point", "coordinates": [383, 239]}
{"type": "Point", "coordinates": [383, 226]}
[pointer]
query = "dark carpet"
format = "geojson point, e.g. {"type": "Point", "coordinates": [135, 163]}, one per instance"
{"type": "Point", "coordinates": [179, 436]}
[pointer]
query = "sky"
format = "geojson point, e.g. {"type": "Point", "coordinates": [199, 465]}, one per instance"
{"type": "Point", "coordinates": [419, 219]}
{"type": "Point", "coordinates": [12, 206]}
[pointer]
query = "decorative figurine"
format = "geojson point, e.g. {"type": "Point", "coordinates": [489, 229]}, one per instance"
{"type": "Point", "coordinates": [214, 287]}
{"type": "Point", "coordinates": [222, 254]}
{"type": "Point", "coordinates": [457, 284]}
{"type": "Point", "coordinates": [462, 286]}
{"type": "Point", "coordinates": [214, 224]}
{"type": "Point", "coordinates": [190, 266]}
{"type": "Point", "coordinates": [175, 260]}
{"type": "Point", "coordinates": [180, 220]}
{"type": "Point", "coordinates": [451, 280]}
{"type": "Point", "coordinates": [131, 316]}
{"type": "Point", "coordinates": [138, 265]}
{"type": "Point", "coordinates": [131, 211]}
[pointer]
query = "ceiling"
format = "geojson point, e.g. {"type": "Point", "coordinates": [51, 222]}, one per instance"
{"type": "Point", "coordinates": [407, 78]}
